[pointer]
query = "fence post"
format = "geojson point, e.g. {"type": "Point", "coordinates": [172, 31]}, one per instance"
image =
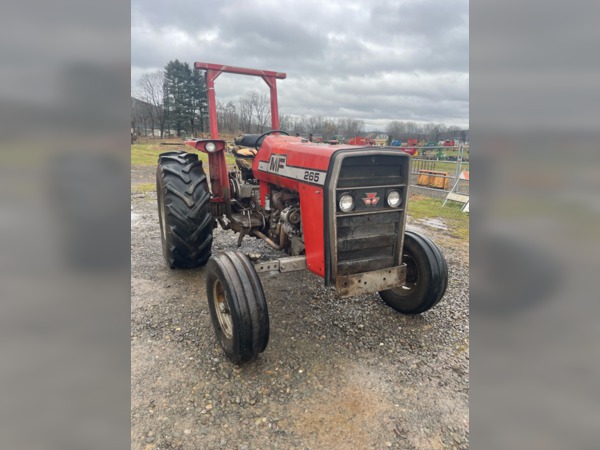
{"type": "Point", "coordinates": [459, 161]}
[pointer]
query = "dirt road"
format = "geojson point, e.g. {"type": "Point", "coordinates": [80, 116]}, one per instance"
{"type": "Point", "coordinates": [337, 373]}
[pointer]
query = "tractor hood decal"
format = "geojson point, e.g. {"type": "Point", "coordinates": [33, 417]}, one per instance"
{"type": "Point", "coordinates": [277, 165]}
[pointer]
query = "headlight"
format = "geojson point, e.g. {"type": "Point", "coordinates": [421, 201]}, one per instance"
{"type": "Point", "coordinates": [393, 199]}
{"type": "Point", "coordinates": [346, 203]}
{"type": "Point", "coordinates": [210, 147]}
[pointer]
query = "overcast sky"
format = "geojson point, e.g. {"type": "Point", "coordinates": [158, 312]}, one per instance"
{"type": "Point", "coordinates": [374, 60]}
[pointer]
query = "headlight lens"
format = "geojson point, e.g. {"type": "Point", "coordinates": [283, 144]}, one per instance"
{"type": "Point", "coordinates": [346, 203]}
{"type": "Point", "coordinates": [393, 199]}
{"type": "Point", "coordinates": [210, 147]}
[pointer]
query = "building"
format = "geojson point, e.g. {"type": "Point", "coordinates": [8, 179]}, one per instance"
{"type": "Point", "coordinates": [145, 118]}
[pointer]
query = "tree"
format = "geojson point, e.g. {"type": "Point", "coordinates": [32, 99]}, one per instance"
{"type": "Point", "coordinates": [435, 132]}
{"type": "Point", "coordinates": [395, 130]}
{"type": "Point", "coordinates": [329, 129]}
{"type": "Point", "coordinates": [150, 90]}
{"type": "Point", "coordinates": [350, 127]}
{"type": "Point", "coordinates": [245, 114]}
{"type": "Point", "coordinates": [228, 118]}
{"type": "Point", "coordinates": [177, 95]}
{"type": "Point", "coordinates": [262, 111]}
{"type": "Point", "coordinates": [198, 101]}
{"type": "Point", "coordinates": [254, 112]}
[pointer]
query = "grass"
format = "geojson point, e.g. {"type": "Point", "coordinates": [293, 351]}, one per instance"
{"type": "Point", "coordinates": [449, 167]}
{"type": "Point", "coordinates": [143, 188]}
{"type": "Point", "coordinates": [146, 154]}
{"type": "Point", "coordinates": [421, 207]}
{"type": "Point", "coordinates": [452, 152]}
{"type": "Point", "coordinates": [443, 166]}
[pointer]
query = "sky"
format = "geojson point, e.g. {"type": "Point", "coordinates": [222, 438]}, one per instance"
{"type": "Point", "coordinates": [374, 60]}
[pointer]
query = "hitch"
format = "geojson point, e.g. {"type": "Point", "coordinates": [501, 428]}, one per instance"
{"type": "Point", "coordinates": [289, 264]}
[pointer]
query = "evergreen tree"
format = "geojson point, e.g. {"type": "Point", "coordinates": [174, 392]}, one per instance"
{"type": "Point", "coordinates": [185, 99]}
{"type": "Point", "coordinates": [177, 95]}
{"type": "Point", "coordinates": [199, 101]}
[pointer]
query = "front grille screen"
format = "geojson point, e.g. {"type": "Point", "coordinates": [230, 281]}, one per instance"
{"type": "Point", "coordinates": [368, 237]}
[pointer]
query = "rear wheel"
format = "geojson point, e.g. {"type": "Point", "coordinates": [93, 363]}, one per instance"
{"type": "Point", "coordinates": [426, 277]}
{"type": "Point", "coordinates": [237, 306]}
{"type": "Point", "coordinates": [186, 222]}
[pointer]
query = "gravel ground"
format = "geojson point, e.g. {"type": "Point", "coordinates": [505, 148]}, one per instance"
{"type": "Point", "coordinates": [338, 373]}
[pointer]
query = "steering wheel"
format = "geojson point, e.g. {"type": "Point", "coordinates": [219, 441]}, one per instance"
{"type": "Point", "coordinates": [264, 135]}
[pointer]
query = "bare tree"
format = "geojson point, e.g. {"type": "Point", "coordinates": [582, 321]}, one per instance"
{"type": "Point", "coordinates": [350, 127]}
{"type": "Point", "coordinates": [228, 118]}
{"type": "Point", "coordinates": [396, 130]}
{"type": "Point", "coordinates": [436, 130]}
{"type": "Point", "coordinates": [454, 132]}
{"type": "Point", "coordinates": [329, 129]}
{"type": "Point", "coordinates": [150, 90]}
{"type": "Point", "coordinates": [286, 123]}
{"type": "Point", "coordinates": [245, 114]}
{"type": "Point", "coordinates": [314, 124]}
{"type": "Point", "coordinates": [412, 128]}
{"type": "Point", "coordinates": [262, 111]}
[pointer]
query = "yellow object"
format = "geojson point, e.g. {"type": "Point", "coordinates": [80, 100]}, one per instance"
{"type": "Point", "coordinates": [244, 151]}
{"type": "Point", "coordinates": [434, 179]}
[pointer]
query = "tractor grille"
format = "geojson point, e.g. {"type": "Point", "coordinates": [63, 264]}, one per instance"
{"type": "Point", "coordinates": [370, 237]}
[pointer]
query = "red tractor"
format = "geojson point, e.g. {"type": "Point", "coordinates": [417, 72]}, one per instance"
{"type": "Point", "coordinates": [338, 211]}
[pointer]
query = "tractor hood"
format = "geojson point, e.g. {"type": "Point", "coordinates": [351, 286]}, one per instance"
{"type": "Point", "coordinates": [287, 161]}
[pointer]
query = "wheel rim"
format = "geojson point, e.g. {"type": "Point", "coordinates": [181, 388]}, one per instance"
{"type": "Point", "coordinates": [412, 277]}
{"type": "Point", "coordinates": [222, 310]}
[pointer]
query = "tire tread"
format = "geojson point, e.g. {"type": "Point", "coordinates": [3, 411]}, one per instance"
{"type": "Point", "coordinates": [437, 272]}
{"type": "Point", "coordinates": [247, 302]}
{"type": "Point", "coordinates": [182, 187]}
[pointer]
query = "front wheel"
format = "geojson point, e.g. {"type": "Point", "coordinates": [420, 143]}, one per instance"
{"type": "Point", "coordinates": [237, 306]}
{"type": "Point", "coordinates": [426, 277]}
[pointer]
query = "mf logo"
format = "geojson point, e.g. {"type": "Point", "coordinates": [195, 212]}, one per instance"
{"type": "Point", "coordinates": [371, 199]}
{"type": "Point", "coordinates": [277, 163]}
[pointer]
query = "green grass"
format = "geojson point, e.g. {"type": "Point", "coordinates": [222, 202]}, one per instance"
{"type": "Point", "coordinates": [453, 153]}
{"type": "Point", "coordinates": [143, 188]}
{"type": "Point", "coordinates": [449, 167]}
{"type": "Point", "coordinates": [443, 166]}
{"type": "Point", "coordinates": [421, 207]}
{"type": "Point", "coordinates": [146, 154]}
{"type": "Point", "coordinates": [424, 151]}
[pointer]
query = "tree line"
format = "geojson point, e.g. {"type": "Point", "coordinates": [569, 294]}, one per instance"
{"type": "Point", "coordinates": [174, 101]}
{"type": "Point", "coordinates": [170, 100]}
{"type": "Point", "coordinates": [431, 132]}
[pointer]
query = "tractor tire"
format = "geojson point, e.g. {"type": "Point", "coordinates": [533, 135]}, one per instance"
{"type": "Point", "coordinates": [237, 306]}
{"type": "Point", "coordinates": [186, 222]}
{"type": "Point", "coordinates": [426, 277]}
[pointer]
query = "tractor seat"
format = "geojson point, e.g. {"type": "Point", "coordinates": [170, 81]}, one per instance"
{"type": "Point", "coordinates": [244, 157]}
{"type": "Point", "coordinates": [244, 152]}
{"type": "Point", "coordinates": [247, 140]}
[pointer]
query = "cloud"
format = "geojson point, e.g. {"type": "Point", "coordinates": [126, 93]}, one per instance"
{"type": "Point", "coordinates": [376, 60]}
